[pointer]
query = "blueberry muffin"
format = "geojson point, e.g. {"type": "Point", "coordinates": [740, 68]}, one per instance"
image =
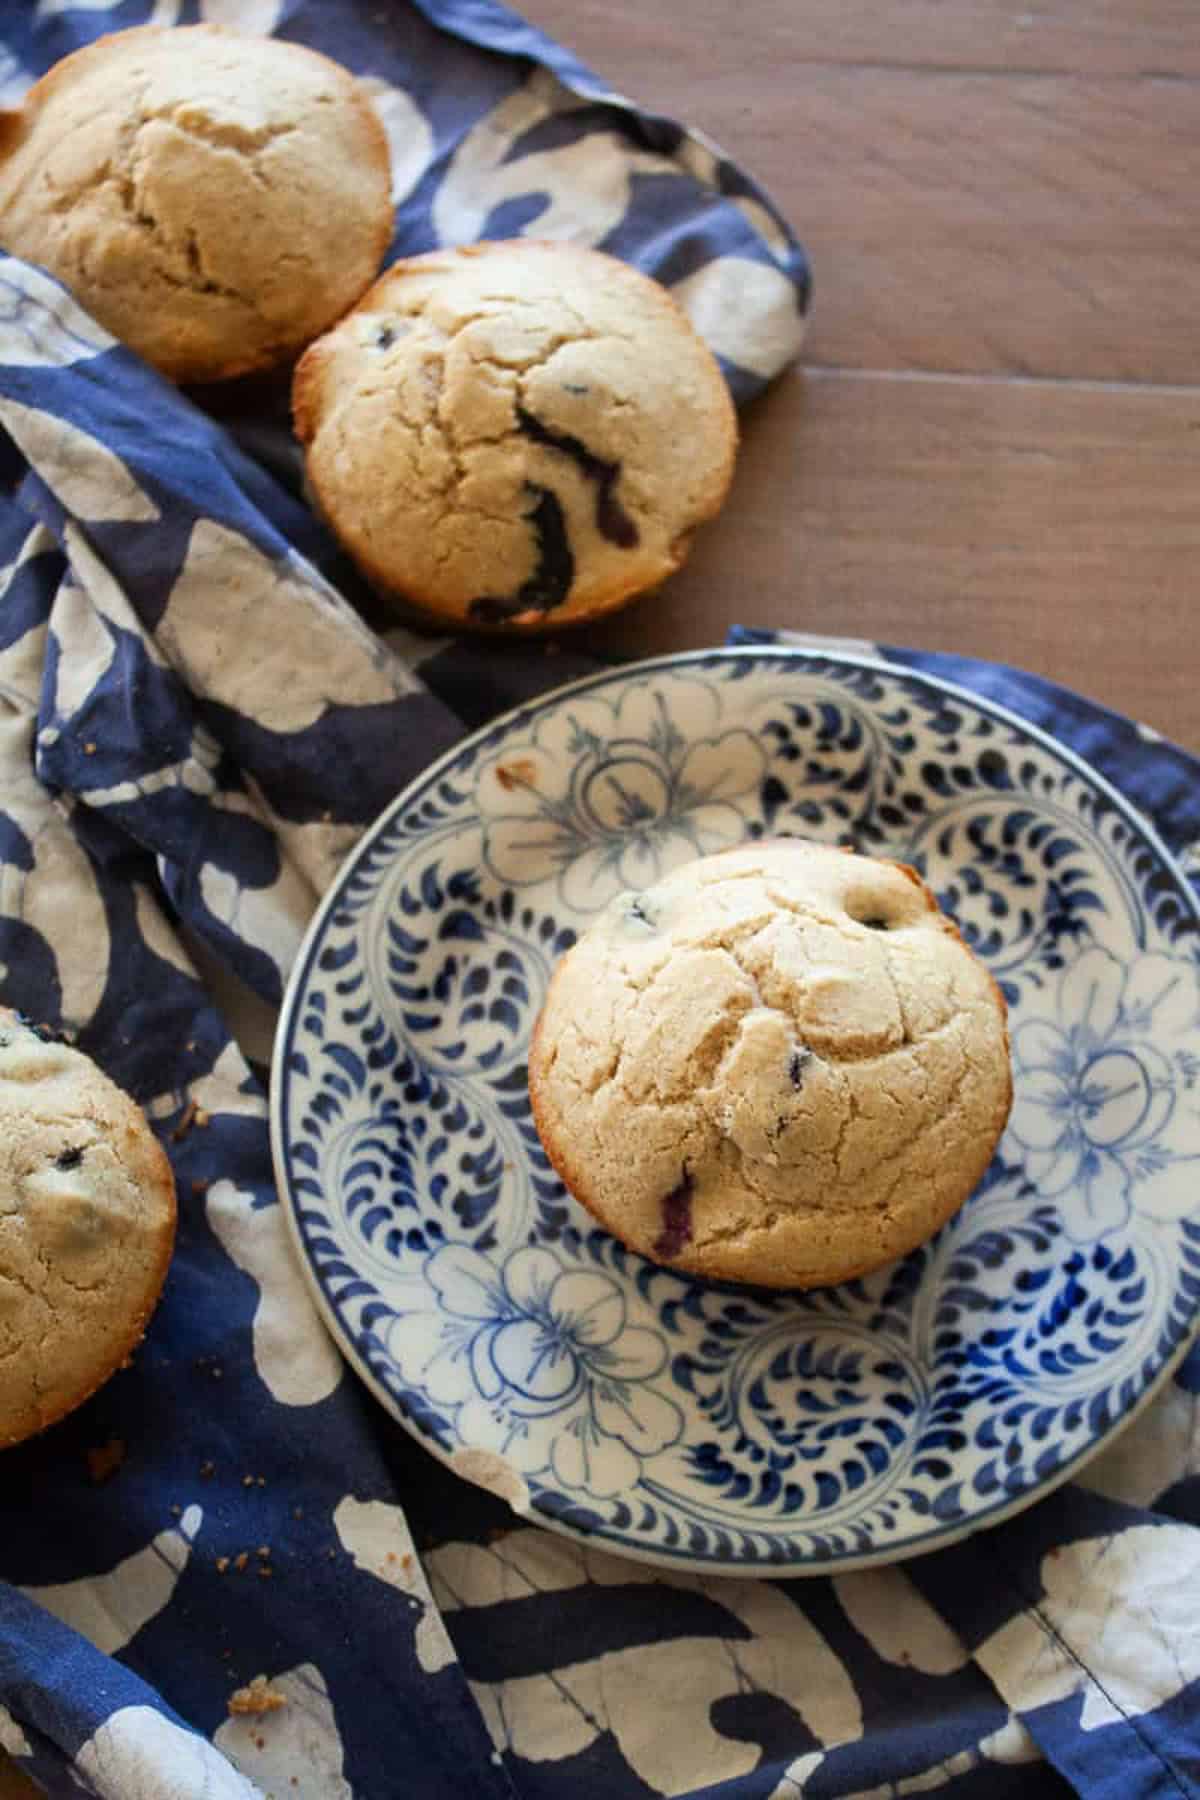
{"type": "Point", "coordinates": [214, 200]}
{"type": "Point", "coordinates": [87, 1222]}
{"type": "Point", "coordinates": [779, 1065]}
{"type": "Point", "coordinates": [515, 434]}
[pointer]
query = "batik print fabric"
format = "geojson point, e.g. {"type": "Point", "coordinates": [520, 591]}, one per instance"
{"type": "Point", "coordinates": [496, 132]}
{"type": "Point", "coordinates": [194, 727]}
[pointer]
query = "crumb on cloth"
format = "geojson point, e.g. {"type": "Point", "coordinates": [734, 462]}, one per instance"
{"type": "Point", "coordinates": [257, 1697]}
{"type": "Point", "coordinates": [105, 1459]}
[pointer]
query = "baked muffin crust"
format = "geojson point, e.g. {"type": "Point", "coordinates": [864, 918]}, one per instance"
{"type": "Point", "coordinates": [779, 1065]}
{"type": "Point", "coordinates": [214, 200]}
{"type": "Point", "coordinates": [87, 1224]}
{"type": "Point", "coordinates": [515, 434]}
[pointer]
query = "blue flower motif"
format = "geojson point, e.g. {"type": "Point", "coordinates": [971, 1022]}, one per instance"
{"type": "Point", "coordinates": [1107, 1100]}
{"type": "Point", "coordinates": [617, 803]}
{"type": "Point", "coordinates": [515, 1345]}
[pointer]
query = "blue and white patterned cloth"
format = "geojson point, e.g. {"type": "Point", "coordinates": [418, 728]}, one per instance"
{"type": "Point", "coordinates": [194, 727]}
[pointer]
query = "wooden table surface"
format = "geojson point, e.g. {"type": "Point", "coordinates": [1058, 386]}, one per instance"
{"type": "Point", "coordinates": [992, 443]}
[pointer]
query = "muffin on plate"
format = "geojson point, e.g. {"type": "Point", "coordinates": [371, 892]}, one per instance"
{"type": "Point", "coordinates": [780, 1065]}
{"type": "Point", "coordinates": [87, 1223]}
{"type": "Point", "coordinates": [515, 434]}
{"type": "Point", "coordinates": [214, 200]}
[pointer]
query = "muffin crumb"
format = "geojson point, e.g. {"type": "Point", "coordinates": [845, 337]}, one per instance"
{"type": "Point", "coordinates": [104, 1461]}
{"type": "Point", "coordinates": [256, 1698]}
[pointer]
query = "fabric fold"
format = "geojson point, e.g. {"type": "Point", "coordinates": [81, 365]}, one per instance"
{"type": "Point", "coordinates": [201, 708]}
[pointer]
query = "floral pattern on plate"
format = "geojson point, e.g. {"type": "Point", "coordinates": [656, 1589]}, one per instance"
{"type": "Point", "coordinates": [690, 1422]}
{"type": "Point", "coordinates": [1108, 1107]}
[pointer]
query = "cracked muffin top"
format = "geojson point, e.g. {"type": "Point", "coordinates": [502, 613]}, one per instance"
{"type": "Point", "coordinates": [779, 1065]}
{"type": "Point", "coordinates": [214, 200]}
{"type": "Point", "coordinates": [87, 1221]}
{"type": "Point", "coordinates": [515, 434]}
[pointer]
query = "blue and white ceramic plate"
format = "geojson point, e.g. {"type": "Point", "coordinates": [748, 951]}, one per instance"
{"type": "Point", "coordinates": [686, 1422]}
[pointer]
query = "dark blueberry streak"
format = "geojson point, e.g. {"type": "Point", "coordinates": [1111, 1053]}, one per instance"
{"type": "Point", "coordinates": [800, 1055]}
{"type": "Point", "coordinates": [874, 924]}
{"type": "Point", "coordinates": [676, 1219]}
{"type": "Point", "coordinates": [638, 910]}
{"type": "Point", "coordinates": [612, 521]}
{"type": "Point", "coordinates": [551, 580]}
{"type": "Point", "coordinates": [385, 338]}
{"type": "Point", "coordinates": [69, 1159]}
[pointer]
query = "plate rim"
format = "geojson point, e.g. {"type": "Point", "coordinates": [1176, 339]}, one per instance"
{"type": "Point", "coordinates": [885, 1555]}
